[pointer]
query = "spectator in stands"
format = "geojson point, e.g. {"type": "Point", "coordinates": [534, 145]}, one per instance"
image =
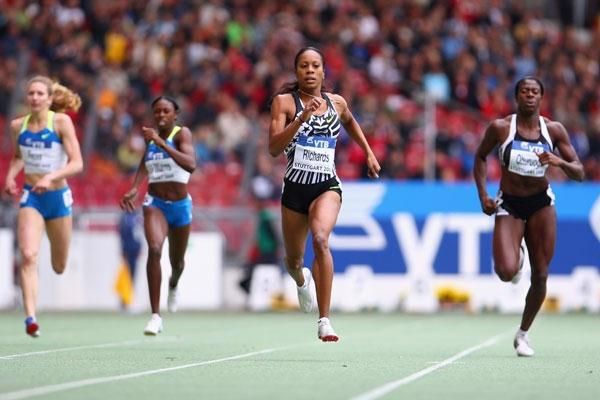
{"type": "Point", "coordinates": [168, 163]}
{"type": "Point", "coordinates": [46, 148]}
{"type": "Point", "coordinates": [265, 249]}
{"type": "Point", "coordinates": [524, 207]}
{"type": "Point", "coordinates": [131, 246]}
{"type": "Point", "coordinates": [305, 124]}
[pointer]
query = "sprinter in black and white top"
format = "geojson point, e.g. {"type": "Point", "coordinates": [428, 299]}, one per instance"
{"type": "Point", "coordinates": [305, 124]}
{"type": "Point", "coordinates": [524, 206]}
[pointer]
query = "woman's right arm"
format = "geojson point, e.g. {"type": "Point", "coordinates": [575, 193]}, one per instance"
{"type": "Point", "coordinates": [280, 134]}
{"type": "Point", "coordinates": [128, 200]}
{"type": "Point", "coordinates": [16, 162]}
{"type": "Point", "coordinates": [490, 139]}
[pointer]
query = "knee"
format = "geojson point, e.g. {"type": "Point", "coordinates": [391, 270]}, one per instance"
{"type": "Point", "coordinates": [294, 262]}
{"type": "Point", "coordinates": [154, 251]}
{"type": "Point", "coordinates": [29, 258]}
{"type": "Point", "coordinates": [539, 278]}
{"type": "Point", "coordinates": [320, 242]}
{"type": "Point", "coordinates": [504, 274]}
{"type": "Point", "coordinates": [177, 264]}
{"type": "Point", "coordinates": [59, 267]}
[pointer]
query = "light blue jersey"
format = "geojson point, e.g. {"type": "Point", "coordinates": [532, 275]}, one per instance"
{"type": "Point", "coordinates": [42, 152]}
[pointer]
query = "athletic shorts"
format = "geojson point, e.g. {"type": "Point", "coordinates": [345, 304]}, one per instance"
{"type": "Point", "coordinates": [51, 204]}
{"type": "Point", "coordinates": [299, 196]}
{"type": "Point", "coordinates": [177, 213]}
{"type": "Point", "coordinates": [523, 207]}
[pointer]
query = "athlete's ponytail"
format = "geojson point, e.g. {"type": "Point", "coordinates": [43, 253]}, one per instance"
{"type": "Point", "coordinates": [64, 99]}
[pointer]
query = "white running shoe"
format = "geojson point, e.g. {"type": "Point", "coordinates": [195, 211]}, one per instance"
{"type": "Point", "coordinates": [325, 331]}
{"type": "Point", "coordinates": [521, 345]}
{"type": "Point", "coordinates": [519, 273]}
{"type": "Point", "coordinates": [172, 300]}
{"type": "Point", "coordinates": [154, 326]}
{"type": "Point", "coordinates": [305, 297]}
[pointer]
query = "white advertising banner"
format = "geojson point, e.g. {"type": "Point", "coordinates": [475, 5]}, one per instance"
{"type": "Point", "coordinates": [95, 257]}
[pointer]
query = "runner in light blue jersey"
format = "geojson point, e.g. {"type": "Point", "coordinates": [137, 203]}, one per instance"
{"type": "Point", "coordinates": [48, 151]}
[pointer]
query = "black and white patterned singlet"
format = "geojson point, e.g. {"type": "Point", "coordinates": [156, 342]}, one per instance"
{"type": "Point", "coordinates": [311, 153]}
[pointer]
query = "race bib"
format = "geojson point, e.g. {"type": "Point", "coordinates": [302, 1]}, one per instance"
{"type": "Point", "coordinates": [68, 198]}
{"type": "Point", "coordinates": [524, 160]}
{"type": "Point", "coordinates": [24, 196]}
{"type": "Point", "coordinates": [147, 200]}
{"type": "Point", "coordinates": [315, 154]}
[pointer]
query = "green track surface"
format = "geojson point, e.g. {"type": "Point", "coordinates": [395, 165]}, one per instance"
{"type": "Point", "coordinates": [277, 356]}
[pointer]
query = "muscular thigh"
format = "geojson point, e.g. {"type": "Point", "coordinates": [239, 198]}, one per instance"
{"type": "Point", "coordinates": [323, 212]}
{"type": "Point", "coordinates": [155, 226]}
{"type": "Point", "coordinates": [30, 228]}
{"type": "Point", "coordinates": [508, 233]}
{"type": "Point", "coordinates": [294, 229]}
{"type": "Point", "coordinates": [540, 236]}
{"type": "Point", "coordinates": [59, 232]}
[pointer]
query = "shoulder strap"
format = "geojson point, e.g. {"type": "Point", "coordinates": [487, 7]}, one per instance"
{"type": "Point", "coordinates": [513, 126]}
{"type": "Point", "coordinates": [25, 122]}
{"type": "Point", "coordinates": [176, 129]}
{"type": "Point", "coordinates": [512, 130]}
{"type": "Point", "coordinates": [297, 102]}
{"type": "Point", "coordinates": [545, 133]}
{"type": "Point", "coordinates": [328, 100]}
{"type": "Point", "coordinates": [50, 123]}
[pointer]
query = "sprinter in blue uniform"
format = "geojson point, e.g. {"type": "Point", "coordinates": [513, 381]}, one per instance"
{"type": "Point", "coordinates": [305, 124]}
{"type": "Point", "coordinates": [48, 151]}
{"type": "Point", "coordinates": [168, 163]}
{"type": "Point", "coordinates": [524, 206]}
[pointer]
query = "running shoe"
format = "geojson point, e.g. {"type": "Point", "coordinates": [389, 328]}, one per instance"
{"type": "Point", "coordinates": [172, 299]}
{"type": "Point", "coordinates": [154, 326]}
{"type": "Point", "coordinates": [305, 296]}
{"type": "Point", "coordinates": [31, 327]}
{"type": "Point", "coordinates": [325, 331]}
{"type": "Point", "coordinates": [519, 273]}
{"type": "Point", "coordinates": [521, 345]}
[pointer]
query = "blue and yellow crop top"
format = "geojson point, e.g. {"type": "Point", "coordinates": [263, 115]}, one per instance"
{"type": "Point", "coordinates": [160, 166]}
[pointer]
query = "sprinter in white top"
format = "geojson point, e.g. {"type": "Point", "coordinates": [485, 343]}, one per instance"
{"type": "Point", "coordinates": [168, 163]}
{"type": "Point", "coordinates": [524, 206]}
{"type": "Point", "coordinates": [48, 151]}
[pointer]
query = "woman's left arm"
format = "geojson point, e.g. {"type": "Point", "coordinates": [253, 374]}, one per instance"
{"type": "Point", "coordinates": [356, 133]}
{"type": "Point", "coordinates": [569, 162]}
{"type": "Point", "coordinates": [66, 130]}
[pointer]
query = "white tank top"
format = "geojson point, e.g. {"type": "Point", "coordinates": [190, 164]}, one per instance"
{"type": "Point", "coordinates": [160, 166]}
{"type": "Point", "coordinates": [42, 152]}
{"type": "Point", "coordinates": [519, 155]}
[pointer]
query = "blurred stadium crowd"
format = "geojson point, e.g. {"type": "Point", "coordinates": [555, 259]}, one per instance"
{"type": "Point", "coordinates": [222, 60]}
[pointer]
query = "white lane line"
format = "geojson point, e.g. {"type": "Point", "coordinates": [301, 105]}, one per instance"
{"type": "Point", "coordinates": [92, 346]}
{"type": "Point", "coordinates": [391, 386]}
{"type": "Point", "coordinates": [44, 390]}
